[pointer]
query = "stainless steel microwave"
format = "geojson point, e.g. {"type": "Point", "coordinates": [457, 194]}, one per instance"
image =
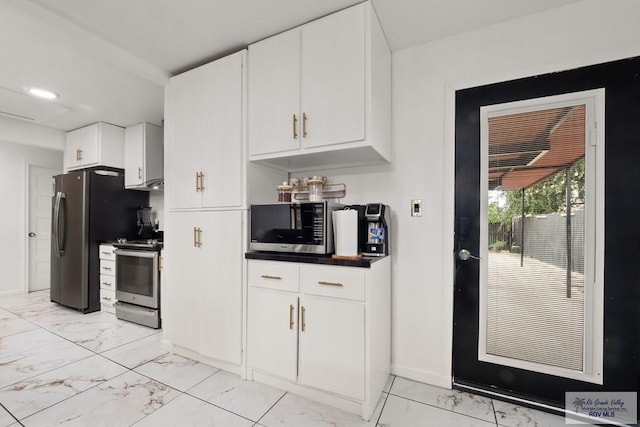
{"type": "Point", "coordinates": [304, 227]}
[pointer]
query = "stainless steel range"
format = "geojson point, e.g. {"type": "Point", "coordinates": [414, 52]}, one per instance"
{"type": "Point", "coordinates": [138, 281]}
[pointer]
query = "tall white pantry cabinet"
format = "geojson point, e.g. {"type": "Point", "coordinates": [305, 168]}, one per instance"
{"type": "Point", "coordinates": [206, 200]}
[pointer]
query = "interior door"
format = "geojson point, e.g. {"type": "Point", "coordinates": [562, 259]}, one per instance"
{"type": "Point", "coordinates": [620, 370]}
{"type": "Point", "coordinates": [40, 192]}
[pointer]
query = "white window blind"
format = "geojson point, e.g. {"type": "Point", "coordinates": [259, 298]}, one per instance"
{"type": "Point", "coordinates": [535, 299]}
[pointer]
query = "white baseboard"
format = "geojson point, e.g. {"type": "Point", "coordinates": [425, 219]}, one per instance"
{"type": "Point", "coordinates": [419, 375]}
{"type": "Point", "coordinates": [12, 293]}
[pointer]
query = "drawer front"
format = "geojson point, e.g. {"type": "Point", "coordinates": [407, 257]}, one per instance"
{"type": "Point", "coordinates": [107, 267]}
{"type": "Point", "coordinates": [107, 298]}
{"type": "Point", "coordinates": [274, 275]}
{"type": "Point", "coordinates": [338, 282]}
{"type": "Point", "coordinates": [108, 282]}
{"type": "Point", "coordinates": [107, 252]}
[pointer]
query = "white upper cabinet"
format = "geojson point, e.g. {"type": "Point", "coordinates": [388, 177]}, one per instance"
{"type": "Point", "coordinates": [143, 159]}
{"type": "Point", "coordinates": [274, 94]}
{"type": "Point", "coordinates": [333, 82]}
{"type": "Point", "coordinates": [320, 94]}
{"type": "Point", "coordinates": [99, 144]}
{"type": "Point", "coordinates": [204, 148]}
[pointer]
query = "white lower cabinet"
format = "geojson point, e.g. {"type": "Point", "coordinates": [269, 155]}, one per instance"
{"type": "Point", "coordinates": [107, 257]}
{"type": "Point", "coordinates": [331, 346]}
{"type": "Point", "coordinates": [204, 275]}
{"type": "Point", "coordinates": [273, 332]}
{"type": "Point", "coordinates": [321, 331]}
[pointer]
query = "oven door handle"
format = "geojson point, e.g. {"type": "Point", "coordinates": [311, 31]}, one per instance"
{"type": "Point", "coordinates": [139, 254]}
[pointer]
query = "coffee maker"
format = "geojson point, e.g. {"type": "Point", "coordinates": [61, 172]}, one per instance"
{"type": "Point", "coordinates": [376, 216]}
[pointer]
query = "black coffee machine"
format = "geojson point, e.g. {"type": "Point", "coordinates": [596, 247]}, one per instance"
{"type": "Point", "coordinates": [373, 228]}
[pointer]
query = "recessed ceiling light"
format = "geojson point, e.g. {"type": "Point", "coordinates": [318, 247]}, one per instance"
{"type": "Point", "coordinates": [42, 93]}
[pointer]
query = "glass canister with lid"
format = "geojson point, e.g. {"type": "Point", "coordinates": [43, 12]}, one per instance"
{"type": "Point", "coordinates": [314, 185]}
{"type": "Point", "coordinates": [284, 192]}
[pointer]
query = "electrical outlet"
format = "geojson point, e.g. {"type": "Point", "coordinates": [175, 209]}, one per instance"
{"type": "Point", "coordinates": [416, 207]}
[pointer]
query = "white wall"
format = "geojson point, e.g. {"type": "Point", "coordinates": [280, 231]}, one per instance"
{"type": "Point", "coordinates": [21, 144]}
{"type": "Point", "coordinates": [22, 132]}
{"type": "Point", "coordinates": [578, 34]}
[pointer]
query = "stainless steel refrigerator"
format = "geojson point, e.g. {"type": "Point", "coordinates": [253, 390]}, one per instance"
{"type": "Point", "coordinates": [90, 206]}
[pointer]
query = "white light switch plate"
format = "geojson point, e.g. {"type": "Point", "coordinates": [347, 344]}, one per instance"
{"type": "Point", "coordinates": [416, 207]}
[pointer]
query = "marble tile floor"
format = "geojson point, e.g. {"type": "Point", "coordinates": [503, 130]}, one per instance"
{"type": "Point", "coordinates": [58, 366]}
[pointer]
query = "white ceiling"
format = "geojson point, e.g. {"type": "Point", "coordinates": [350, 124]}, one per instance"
{"type": "Point", "coordinates": [109, 60]}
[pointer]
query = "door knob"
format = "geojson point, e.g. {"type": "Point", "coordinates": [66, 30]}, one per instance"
{"type": "Point", "coordinates": [32, 234]}
{"type": "Point", "coordinates": [464, 255]}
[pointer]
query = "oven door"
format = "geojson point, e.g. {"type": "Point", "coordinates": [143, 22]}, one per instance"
{"type": "Point", "coordinates": [137, 277]}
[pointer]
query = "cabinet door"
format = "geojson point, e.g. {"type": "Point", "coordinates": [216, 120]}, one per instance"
{"type": "Point", "coordinates": [273, 332]}
{"type": "Point", "coordinates": [274, 94]}
{"type": "Point", "coordinates": [331, 355]}
{"type": "Point", "coordinates": [133, 155]}
{"type": "Point", "coordinates": [220, 296]}
{"type": "Point", "coordinates": [222, 136]}
{"type": "Point", "coordinates": [82, 147]}
{"type": "Point", "coordinates": [184, 135]}
{"type": "Point", "coordinates": [181, 280]}
{"type": "Point", "coordinates": [333, 79]}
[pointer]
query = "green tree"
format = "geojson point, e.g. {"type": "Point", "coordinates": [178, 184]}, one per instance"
{"type": "Point", "coordinates": [548, 196]}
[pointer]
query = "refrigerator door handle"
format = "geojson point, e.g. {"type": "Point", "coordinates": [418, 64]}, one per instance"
{"type": "Point", "coordinates": [57, 222]}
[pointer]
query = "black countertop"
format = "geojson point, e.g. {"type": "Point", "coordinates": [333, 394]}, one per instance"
{"type": "Point", "coordinates": [364, 262]}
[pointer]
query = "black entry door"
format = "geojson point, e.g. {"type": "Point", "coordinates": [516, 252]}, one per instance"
{"type": "Point", "coordinates": [621, 372]}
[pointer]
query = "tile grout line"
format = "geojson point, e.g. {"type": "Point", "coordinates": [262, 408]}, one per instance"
{"type": "Point", "coordinates": [96, 353]}
{"type": "Point", "coordinates": [189, 394]}
{"type": "Point", "coordinates": [219, 407]}
{"type": "Point", "coordinates": [439, 407]}
{"type": "Point", "coordinates": [10, 414]}
{"type": "Point", "coordinates": [272, 406]}
{"type": "Point", "coordinates": [495, 417]}
{"type": "Point", "coordinates": [393, 380]}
